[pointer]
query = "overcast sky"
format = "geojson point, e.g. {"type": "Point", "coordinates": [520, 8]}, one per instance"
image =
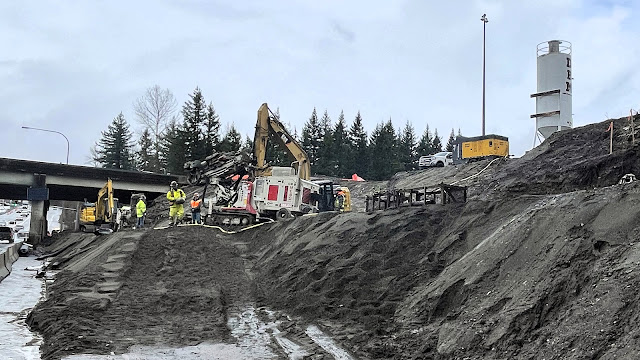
{"type": "Point", "coordinates": [72, 66]}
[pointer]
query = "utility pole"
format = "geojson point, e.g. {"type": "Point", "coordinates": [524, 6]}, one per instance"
{"type": "Point", "coordinates": [633, 128]}
{"type": "Point", "coordinates": [484, 42]}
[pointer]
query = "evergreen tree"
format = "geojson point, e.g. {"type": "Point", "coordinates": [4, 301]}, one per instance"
{"type": "Point", "coordinates": [384, 152]}
{"type": "Point", "coordinates": [451, 141]}
{"type": "Point", "coordinates": [437, 142]}
{"type": "Point", "coordinates": [276, 153]}
{"type": "Point", "coordinates": [425, 146]}
{"type": "Point", "coordinates": [173, 149]}
{"type": "Point", "coordinates": [407, 150]}
{"type": "Point", "coordinates": [311, 137]}
{"type": "Point", "coordinates": [326, 156]}
{"type": "Point", "coordinates": [232, 140]}
{"type": "Point", "coordinates": [115, 150]}
{"type": "Point", "coordinates": [212, 131]}
{"type": "Point", "coordinates": [195, 123]}
{"type": "Point", "coordinates": [247, 145]}
{"type": "Point", "coordinates": [343, 159]}
{"type": "Point", "coordinates": [146, 159]}
{"type": "Point", "coordinates": [359, 148]}
{"type": "Point", "coordinates": [459, 132]}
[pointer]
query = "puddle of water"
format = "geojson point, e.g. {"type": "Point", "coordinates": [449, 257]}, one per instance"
{"type": "Point", "coordinates": [252, 334]}
{"type": "Point", "coordinates": [293, 350]}
{"type": "Point", "coordinates": [256, 336]}
{"type": "Point", "coordinates": [19, 292]}
{"type": "Point", "coordinates": [202, 351]}
{"type": "Point", "coordinates": [327, 343]}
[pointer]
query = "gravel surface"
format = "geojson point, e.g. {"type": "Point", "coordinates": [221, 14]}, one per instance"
{"type": "Point", "coordinates": [541, 262]}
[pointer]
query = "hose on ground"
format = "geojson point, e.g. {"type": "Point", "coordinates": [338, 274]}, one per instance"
{"type": "Point", "coordinates": [479, 172]}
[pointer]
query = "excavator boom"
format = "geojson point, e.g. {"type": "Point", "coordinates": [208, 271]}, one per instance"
{"type": "Point", "coordinates": [269, 126]}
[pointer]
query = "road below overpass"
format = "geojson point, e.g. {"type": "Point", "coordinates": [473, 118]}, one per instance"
{"type": "Point", "coordinates": [40, 182]}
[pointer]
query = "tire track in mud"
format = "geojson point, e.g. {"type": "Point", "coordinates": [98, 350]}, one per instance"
{"type": "Point", "coordinates": [267, 334]}
{"type": "Point", "coordinates": [166, 294]}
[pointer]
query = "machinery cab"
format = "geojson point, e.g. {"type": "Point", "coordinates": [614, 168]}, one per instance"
{"type": "Point", "coordinates": [332, 197]}
{"type": "Point", "coordinates": [325, 197]}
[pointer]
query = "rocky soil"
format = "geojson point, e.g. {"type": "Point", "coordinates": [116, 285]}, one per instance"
{"type": "Point", "coordinates": [541, 262]}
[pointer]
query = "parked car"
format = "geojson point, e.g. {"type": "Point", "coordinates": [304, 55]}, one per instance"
{"type": "Point", "coordinates": [440, 159]}
{"type": "Point", "coordinates": [6, 233]}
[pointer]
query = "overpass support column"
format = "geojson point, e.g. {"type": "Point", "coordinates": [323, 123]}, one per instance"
{"type": "Point", "coordinates": [39, 206]}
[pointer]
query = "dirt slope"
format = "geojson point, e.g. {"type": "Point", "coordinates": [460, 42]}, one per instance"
{"type": "Point", "coordinates": [541, 262]}
{"type": "Point", "coordinates": [139, 288]}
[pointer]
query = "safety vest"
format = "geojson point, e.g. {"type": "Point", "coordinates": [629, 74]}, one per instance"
{"type": "Point", "coordinates": [195, 205]}
{"type": "Point", "coordinates": [175, 195]}
{"type": "Point", "coordinates": [141, 208]}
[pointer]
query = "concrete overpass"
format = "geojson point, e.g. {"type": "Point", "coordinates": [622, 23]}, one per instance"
{"type": "Point", "coordinates": [40, 182]}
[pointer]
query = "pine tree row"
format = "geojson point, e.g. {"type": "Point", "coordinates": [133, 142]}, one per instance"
{"type": "Point", "coordinates": [169, 139]}
{"type": "Point", "coordinates": [338, 150]}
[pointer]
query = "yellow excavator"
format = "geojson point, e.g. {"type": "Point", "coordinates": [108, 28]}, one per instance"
{"type": "Point", "coordinates": [325, 195]}
{"type": "Point", "coordinates": [268, 127]}
{"type": "Point", "coordinates": [259, 190]}
{"type": "Point", "coordinates": [103, 215]}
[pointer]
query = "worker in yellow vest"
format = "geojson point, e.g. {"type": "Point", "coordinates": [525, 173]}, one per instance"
{"type": "Point", "coordinates": [141, 210]}
{"type": "Point", "coordinates": [176, 199]}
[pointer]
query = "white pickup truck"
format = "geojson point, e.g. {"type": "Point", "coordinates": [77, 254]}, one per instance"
{"type": "Point", "coordinates": [440, 159]}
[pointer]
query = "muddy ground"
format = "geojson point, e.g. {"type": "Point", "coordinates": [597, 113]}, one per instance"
{"type": "Point", "coordinates": [541, 262]}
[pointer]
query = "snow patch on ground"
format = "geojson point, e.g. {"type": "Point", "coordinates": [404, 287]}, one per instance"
{"type": "Point", "coordinates": [19, 292]}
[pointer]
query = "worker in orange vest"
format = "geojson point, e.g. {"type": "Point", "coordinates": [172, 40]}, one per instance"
{"type": "Point", "coordinates": [339, 202]}
{"type": "Point", "coordinates": [196, 206]}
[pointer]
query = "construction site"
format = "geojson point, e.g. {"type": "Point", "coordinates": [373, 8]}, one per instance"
{"type": "Point", "coordinates": [489, 256]}
{"type": "Point", "coordinates": [530, 258]}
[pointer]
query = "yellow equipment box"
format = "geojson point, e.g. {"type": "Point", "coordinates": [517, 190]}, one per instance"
{"type": "Point", "coordinates": [480, 147]}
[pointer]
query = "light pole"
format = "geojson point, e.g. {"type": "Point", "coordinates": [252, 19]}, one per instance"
{"type": "Point", "coordinates": [484, 41]}
{"type": "Point", "coordinates": [53, 131]}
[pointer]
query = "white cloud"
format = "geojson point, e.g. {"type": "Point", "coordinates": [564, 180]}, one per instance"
{"type": "Point", "coordinates": [75, 65]}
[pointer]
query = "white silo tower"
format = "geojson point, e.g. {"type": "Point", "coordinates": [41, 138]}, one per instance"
{"type": "Point", "coordinates": [553, 96]}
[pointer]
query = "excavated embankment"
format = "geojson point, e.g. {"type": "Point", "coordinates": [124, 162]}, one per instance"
{"type": "Point", "coordinates": [541, 262]}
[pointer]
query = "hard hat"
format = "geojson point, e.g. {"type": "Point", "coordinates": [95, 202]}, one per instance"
{"type": "Point", "coordinates": [196, 195]}
{"type": "Point", "coordinates": [143, 197]}
{"type": "Point", "coordinates": [174, 183]}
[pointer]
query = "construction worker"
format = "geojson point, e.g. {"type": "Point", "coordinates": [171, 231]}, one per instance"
{"type": "Point", "coordinates": [339, 203]}
{"type": "Point", "coordinates": [196, 206]}
{"type": "Point", "coordinates": [141, 210]}
{"type": "Point", "coordinates": [176, 199]}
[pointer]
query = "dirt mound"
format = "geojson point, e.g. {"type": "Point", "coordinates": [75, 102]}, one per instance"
{"type": "Point", "coordinates": [541, 262]}
{"type": "Point", "coordinates": [544, 252]}
{"type": "Point", "coordinates": [525, 278]}
{"type": "Point", "coordinates": [139, 288]}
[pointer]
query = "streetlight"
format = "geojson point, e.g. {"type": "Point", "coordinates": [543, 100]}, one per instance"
{"type": "Point", "coordinates": [53, 131]}
{"type": "Point", "coordinates": [484, 36]}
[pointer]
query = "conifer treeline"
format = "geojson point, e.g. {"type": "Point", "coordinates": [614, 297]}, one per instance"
{"type": "Point", "coordinates": [339, 149]}
{"type": "Point", "coordinates": [169, 139]}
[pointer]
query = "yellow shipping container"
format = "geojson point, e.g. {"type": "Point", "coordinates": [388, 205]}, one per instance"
{"type": "Point", "coordinates": [480, 147]}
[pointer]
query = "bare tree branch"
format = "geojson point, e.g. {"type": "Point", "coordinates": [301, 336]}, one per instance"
{"type": "Point", "coordinates": [154, 110]}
